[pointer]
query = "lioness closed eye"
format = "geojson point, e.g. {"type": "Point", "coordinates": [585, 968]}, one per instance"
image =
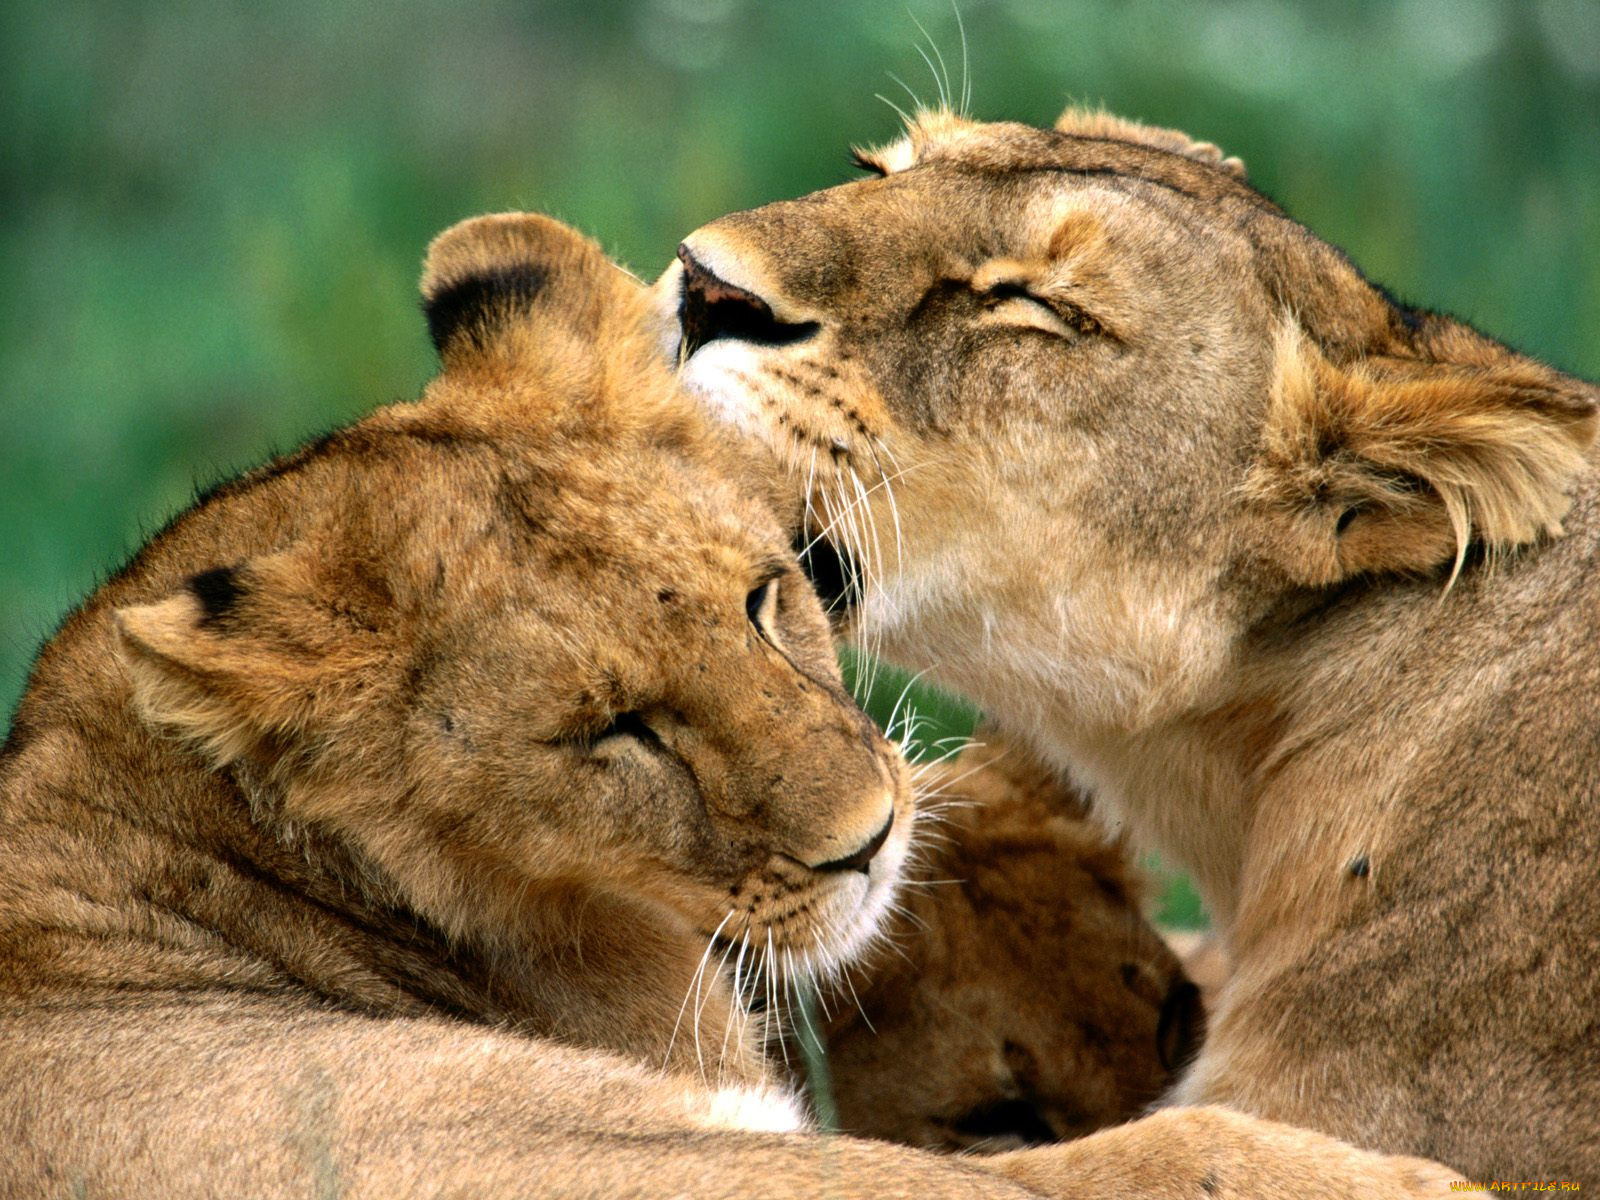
{"type": "Point", "coordinates": [1271, 563]}
{"type": "Point", "coordinates": [367, 834]}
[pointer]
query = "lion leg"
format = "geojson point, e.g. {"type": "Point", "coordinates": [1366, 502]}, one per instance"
{"type": "Point", "coordinates": [1218, 1154]}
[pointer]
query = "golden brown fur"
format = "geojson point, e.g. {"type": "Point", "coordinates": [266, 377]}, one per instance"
{"type": "Point", "coordinates": [1268, 562]}
{"type": "Point", "coordinates": [1020, 998]}
{"type": "Point", "coordinates": [365, 835]}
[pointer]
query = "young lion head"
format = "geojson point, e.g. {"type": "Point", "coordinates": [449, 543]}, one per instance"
{"type": "Point", "coordinates": [1020, 998]}
{"type": "Point", "coordinates": [535, 635]}
{"type": "Point", "coordinates": [1173, 407]}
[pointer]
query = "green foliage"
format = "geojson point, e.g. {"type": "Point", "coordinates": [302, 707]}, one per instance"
{"type": "Point", "coordinates": [214, 213]}
{"type": "Point", "coordinates": [1178, 904]}
{"type": "Point", "coordinates": [928, 723]}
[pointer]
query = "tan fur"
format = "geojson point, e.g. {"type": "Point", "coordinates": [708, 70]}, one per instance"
{"type": "Point", "coordinates": [1268, 562]}
{"type": "Point", "coordinates": [326, 867]}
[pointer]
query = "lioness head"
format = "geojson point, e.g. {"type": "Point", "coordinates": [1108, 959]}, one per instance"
{"type": "Point", "coordinates": [537, 634]}
{"type": "Point", "coordinates": [1081, 407]}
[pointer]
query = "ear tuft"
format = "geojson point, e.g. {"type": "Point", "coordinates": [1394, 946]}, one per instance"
{"type": "Point", "coordinates": [1399, 464]}
{"type": "Point", "coordinates": [1098, 123]}
{"type": "Point", "coordinates": [489, 281]}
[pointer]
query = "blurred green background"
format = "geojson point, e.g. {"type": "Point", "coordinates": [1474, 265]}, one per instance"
{"type": "Point", "coordinates": [214, 211]}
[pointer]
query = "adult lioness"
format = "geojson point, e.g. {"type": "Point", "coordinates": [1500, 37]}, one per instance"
{"type": "Point", "coordinates": [1268, 561]}
{"type": "Point", "coordinates": [366, 834]}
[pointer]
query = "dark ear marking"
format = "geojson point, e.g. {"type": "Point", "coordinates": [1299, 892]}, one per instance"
{"type": "Point", "coordinates": [218, 591]}
{"type": "Point", "coordinates": [474, 305]}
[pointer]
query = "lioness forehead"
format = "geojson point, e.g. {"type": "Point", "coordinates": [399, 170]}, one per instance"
{"type": "Point", "coordinates": [1103, 147]}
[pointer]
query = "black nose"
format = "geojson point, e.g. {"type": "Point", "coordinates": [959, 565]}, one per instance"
{"type": "Point", "coordinates": [859, 860]}
{"type": "Point", "coordinates": [712, 308]}
{"type": "Point", "coordinates": [1181, 1028]}
{"type": "Point", "coordinates": [1019, 1119]}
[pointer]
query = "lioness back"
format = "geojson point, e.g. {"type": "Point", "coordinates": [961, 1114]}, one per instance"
{"type": "Point", "coordinates": [1298, 581]}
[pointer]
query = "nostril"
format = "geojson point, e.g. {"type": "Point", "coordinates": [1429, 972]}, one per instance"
{"type": "Point", "coordinates": [711, 308]}
{"type": "Point", "coordinates": [862, 857]}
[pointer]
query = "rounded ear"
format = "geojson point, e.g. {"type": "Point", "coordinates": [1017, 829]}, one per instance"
{"type": "Point", "coordinates": [1398, 464]}
{"type": "Point", "coordinates": [490, 284]}
{"type": "Point", "coordinates": [243, 656]}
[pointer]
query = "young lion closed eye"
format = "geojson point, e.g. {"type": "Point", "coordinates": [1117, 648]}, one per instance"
{"type": "Point", "coordinates": [368, 834]}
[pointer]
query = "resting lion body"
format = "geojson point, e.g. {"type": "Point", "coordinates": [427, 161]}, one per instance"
{"type": "Point", "coordinates": [1298, 581]}
{"type": "Point", "coordinates": [375, 832]}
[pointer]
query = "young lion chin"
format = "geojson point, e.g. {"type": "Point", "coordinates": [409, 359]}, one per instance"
{"type": "Point", "coordinates": [370, 833]}
{"type": "Point", "coordinates": [1298, 581]}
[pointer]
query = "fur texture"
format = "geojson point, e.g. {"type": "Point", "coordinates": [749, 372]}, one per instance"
{"type": "Point", "coordinates": [1271, 564]}
{"type": "Point", "coordinates": [1020, 998]}
{"type": "Point", "coordinates": [370, 833]}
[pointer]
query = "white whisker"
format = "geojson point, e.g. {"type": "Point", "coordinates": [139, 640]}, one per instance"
{"type": "Point", "coordinates": [700, 1008]}
{"type": "Point", "coordinates": [905, 117]}
{"type": "Point", "coordinates": [856, 999]}
{"type": "Point", "coordinates": [694, 986]}
{"type": "Point", "coordinates": [772, 988]}
{"type": "Point", "coordinates": [941, 74]}
{"type": "Point", "coordinates": [966, 75]}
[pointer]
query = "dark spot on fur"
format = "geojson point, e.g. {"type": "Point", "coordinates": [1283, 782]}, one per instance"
{"type": "Point", "coordinates": [1129, 974]}
{"type": "Point", "coordinates": [666, 595]}
{"type": "Point", "coordinates": [218, 591]}
{"type": "Point", "coordinates": [1360, 867]}
{"type": "Point", "coordinates": [475, 305]}
{"type": "Point", "coordinates": [1112, 889]}
{"type": "Point", "coordinates": [1209, 1183]}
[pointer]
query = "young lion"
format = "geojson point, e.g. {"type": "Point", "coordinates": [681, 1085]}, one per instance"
{"type": "Point", "coordinates": [365, 836]}
{"type": "Point", "coordinates": [1019, 997]}
{"type": "Point", "coordinates": [1268, 561]}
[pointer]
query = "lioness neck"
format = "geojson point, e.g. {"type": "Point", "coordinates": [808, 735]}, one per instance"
{"type": "Point", "coordinates": [1269, 783]}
